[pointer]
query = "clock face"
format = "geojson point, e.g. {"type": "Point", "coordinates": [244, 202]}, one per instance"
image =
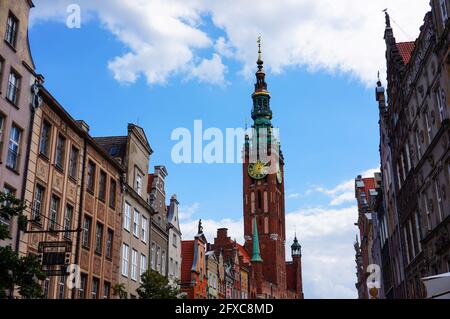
{"type": "Point", "coordinates": [257, 170]}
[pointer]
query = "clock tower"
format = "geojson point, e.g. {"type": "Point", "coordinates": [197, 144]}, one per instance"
{"type": "Point", "coordinates": [263, 188]}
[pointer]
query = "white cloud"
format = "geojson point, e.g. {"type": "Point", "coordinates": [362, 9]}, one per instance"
{"type": "Point", "coordinates": [344, 192]}
{"type": "Point", "coordinates": [235, 228]}
{"type": "Point", "coordinates": [186, 212]}
{"type": "Point", "coordinates": [293, 196]}
{"type": "Point", "coordinates": [163, 36]}
{"type": "Point", "coordinates": [211, 71]}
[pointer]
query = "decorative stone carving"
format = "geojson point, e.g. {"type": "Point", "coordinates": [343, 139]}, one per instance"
{"type": "Point", "coordinates": [101, 211]}
{"type": "Point", "coordinates": [58, 182]}
{"type": "Point", "coordinates": [89, 204]}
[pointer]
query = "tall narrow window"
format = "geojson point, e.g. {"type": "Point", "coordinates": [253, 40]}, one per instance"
{"type": "Point", "coordinates": [412, 240]}
{"type": "Point", "coordinates": [37, 203]}
{"type": "Point", "coordinates": [136, 224]}
{"type": "Point", "coordinates": [144, 229]}
{"type": "Point", "coordinates": [152, 256]}
{"type": "Point", "coordinates": [12, 27]}
{"type": "Point", "coordinates": [125, 259]}
{"type": "Point", "coordinates": [163, 263]}
{"type": "Point", "coordinates": [62, 286]}
{"type": "Point", "coordinates": [138, 183]}
{"type": "Point", "coordinates": [428, 126]}
{"type": "Point", "coordinates": [95, 286]}
{"type": "Point", "coordinates": [12, 94]}
{"type": "Point", "coordinates": [127, 217]}
{"type": "Point", "coordinates": [54, 208]}
{"type": "Point", "coordinates": [439, 200]}
{"type": "Point", "coordinates": [407, 245]}
{"type": "Point", "coordinates": [106, 290]}
{"type": "Point", "coordinates": [73, 162]}
{"type": "Point", "coordinates": [143, 264]}
{"type": "Point", "coordinates": [440, 98]}
{"type": "Point", "coordinates": [98, 238]}
{"type": "Point", "coordinates": [109, 243]}
{"type": "Point", "coordinates": [112, 194]}
{"type": "Point", "coordinates": [418, 231]}
{"type": "Point", "coordinates": [60, 151]}
{"type": "Point", "coordinates": [15, 137]}
{"type": "Point", "coordinates": [102, 186]}
{"type": "Point", "coordinates": [134, 263]}
{"type": "Point", "coordinates": [83, 286]}
{"type": "Point", "coordinates": [2, 124]}
{"type": "Point", "coordinates": [427, 211]}
{"type": "Point", "coordinates": [44, 143]}
{"type": "Point", "coordinates": [6, 220]}
{"type": "Point", "coordinates": [419, 148]}
{"type": "Point", "coordinates": [91, 177]}
{"type": "Point", "coordinates": [68, 221]}
{"type": "Point", "coordinates": [87, 231]}
{"type": "Point", "coordinates": [158, 259]}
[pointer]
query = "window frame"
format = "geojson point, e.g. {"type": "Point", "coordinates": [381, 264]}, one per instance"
{"type": "Point", "coordinates": [11, 36]}
{"type": "Point", "coordinates": [127, 217]}
{"type": "Point", "coordinates": [73, 162]}
{"type": "Point", "coordinates": [54, 212]}
{"type": "Point", "coordinates": [136, 215]}
{"type": "Point", "coordinates": [45, 152]}
{"type": "Point", "coordinates": [102, 186]}
{"type": "Point", "coordinates": [17, 144]}
{"type": "Point", "coordinates": [112, 193]}
{"type": "Point", "coordinates": [91, 171]}
{"type": "Point", "coordinates": [134, 265]}
{"type": "Point", "coordinates": [15, 87]}
{"type": "Point", "coordinates": [144, 228]}
{"type": "Point", "coordinates": [98, 249]}
{"type": "Point", "coordinates": [86, 238]}
{"type": "Point", "coordinates": [60, 151]}
{"type": "Point", "coordinates": [109, 243]}
{"type": "Point", "coordinates": [68, 220]}
{"type": "Point", "coordinates": [125, 259]}
{"type": "Point", "coordinates": [39, 189]}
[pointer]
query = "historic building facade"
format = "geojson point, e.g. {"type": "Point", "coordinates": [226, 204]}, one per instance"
{"type": "Point", "coordinates": [158, 225]}
{"type": "Point", "coordinates": [194, 276]}
{"type": "Point", "coordinates": [174, 241]}
{"type": "Point", "coordinates": [74, 190]}
{"type": "Point", "coordinates": [133, 151]}
{"type": "Point", "coordinates": [414, 145]}
{"type": "Point", "coordinates": [17, 76]}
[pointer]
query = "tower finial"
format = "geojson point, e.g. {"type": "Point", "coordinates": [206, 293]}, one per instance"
{"type": "Point", "coordinates": [256, 252]}
{"type": "Point", "coordinates": [388, 18]}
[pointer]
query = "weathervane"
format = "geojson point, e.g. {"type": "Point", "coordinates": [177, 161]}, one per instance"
{"type": "Point", "coordinates": [259, 48]}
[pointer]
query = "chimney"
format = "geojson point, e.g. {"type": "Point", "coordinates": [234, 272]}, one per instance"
{"type": "Point", "coordinates": [222, 233]}
{"type": "Point", "coordinates": [83, 125]}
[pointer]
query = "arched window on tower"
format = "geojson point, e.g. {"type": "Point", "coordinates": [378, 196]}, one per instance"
{"type": "Point", "coordinates": [266, 225]}
{"type": "Point", "coordinates": [266, 202]}
{"type": "Point", "coordinates": [259, 200]}
{"type": "Point", "coordinates": [252, 202]}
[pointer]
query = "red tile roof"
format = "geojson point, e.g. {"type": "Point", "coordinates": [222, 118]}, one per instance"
{"type": "Point", "coordinates": [246, 258]}
{"type": "Point", "coordinates": [187, 257]}
{"type": "Point", "coordinates": [406, 49]}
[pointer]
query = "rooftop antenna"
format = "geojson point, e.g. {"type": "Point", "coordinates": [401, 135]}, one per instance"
{"type": "Point", "coordinates": [399, 27]}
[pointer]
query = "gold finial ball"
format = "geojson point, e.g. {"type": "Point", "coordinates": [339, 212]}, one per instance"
{"type": "Point", "coordinates": [373, 292]}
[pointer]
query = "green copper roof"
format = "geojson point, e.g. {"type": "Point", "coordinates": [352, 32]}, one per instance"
{"type": "Point", "coordinates": [256, 254]}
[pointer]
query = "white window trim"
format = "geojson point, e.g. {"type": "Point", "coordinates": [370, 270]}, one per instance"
{"type": "Point", "coordinates": [125, 260]}
{"type": "Point", "coordinates": [136, 223]}
{"type": "Point", "coordinates": [134, 264]}
{"type": "Point", "coordinates": [144, 228]}
{"type": "Point", "coordinates": [127, 217]}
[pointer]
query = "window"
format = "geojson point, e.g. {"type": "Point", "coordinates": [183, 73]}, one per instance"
{"type": "Point", "coordinates": [440, 99]}
{"type": "Point", "coordinates": [112, 194]}
{"type": "Point", "coordinates": [91, 177]}
{"type": "Point", "coordinates": [2, 122]}
{"type": "Point", "coordinates": [6, 220]}
{"type": "Point", "coordinates": [60, 150]}
{"type": "Point", "coordinates": [106, 290]}
{"type": "Point", "coordinates": [439, 200]}
{"type": "Point", "coordinates": [125, 253]}
{"type": "Point", "coordinates": [68, 221]}
{"type": "Point", "coordinates": [12, 94]}
{"type": "Point", "coordinates": [98, 238]}
{"type": "Point", "coordinates": [102, 186]}
{"type": "Point", "coordinates": [37, 205]}
{"type": "Point", "coordinates": [87, 231]}
{"type": "Point", "coordinates": [143, 264]}
{"type": "Point", "coordinates": [158, 259]}
{"type": "Point", "coordinates": [95, 284]}
{"type": "Point", "coordinates": [171, 269]}
{"type": "Point", "coordinates": [136, 224]}
{"type": "Point", "coordinates": [109, 243]}
{"type": "Point", "coordinates": [152, 257]}
{"type": "Point", "coordinates": [127, 217]}
{"type": "Point", "coordinates": [427, 125]}
{"type": "Point", "coordinates": [174, 240]}
{"type": "Point", "coordinates": [411, 240]}
{"type": "Point", "coordinates": [12, 160]}
{"type": "Point", "coordinates": [419, 149]}
{"type": "Point", "coordinates": [163, 262]}
{"type": "Point", "coordinates": [45, 138]}
{"type": "Point", "coordinates": [61, 288]}
{"type": "Point", "coordinates": [144, 229]}
{"type": "Point", "coordinates": [54, 208]}
{"type": "Point", "coordinates": [427, 211]}
{"type": "Point", "coordinates": [444, 11]}
{"type": "Point", "coordinates": [46, 288]}
{"type": "Point", "coordinates": [83, 284]}
{"type": "Point", "coordinates": [176, 269]}
{"type": "Point", "coordinates": [12, 27]}
{"type": "Point", "coordinates": [138, 184]}
{"type": "Point", "coordinates": [407, 246]}
{"type": "Point", "coordinates": [73, 162]}
{"type": "Point", "coordinates": [2, 63]}
{"type": "Point", "coordinates": [134, 256]}
{"type": "Point", "coordinates": [418, 230]}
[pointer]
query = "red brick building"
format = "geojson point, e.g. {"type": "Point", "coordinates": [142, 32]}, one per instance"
{"type": "Point", "coordinates": [194, 280]}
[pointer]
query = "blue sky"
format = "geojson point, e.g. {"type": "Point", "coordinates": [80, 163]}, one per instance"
{"type": "Point", "coordinates": [322, 100]}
